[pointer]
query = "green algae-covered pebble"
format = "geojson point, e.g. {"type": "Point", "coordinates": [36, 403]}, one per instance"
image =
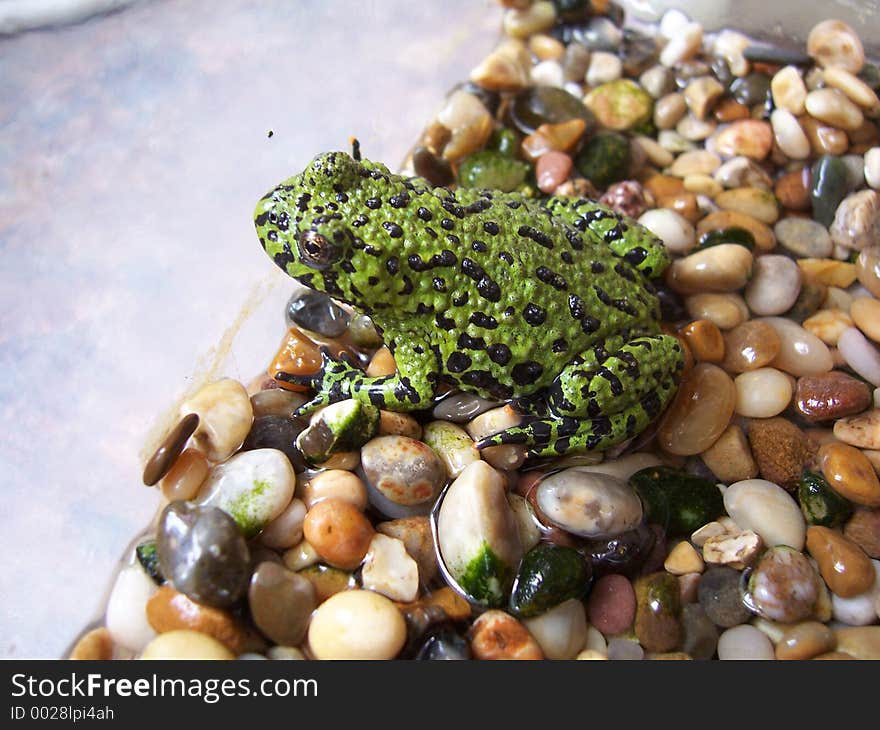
{"type": "Point", "coordinates": [343, 426]}
{"type": "Point", "coordinates": [620, 105]}
{"type": "Point", "coordinates": [477, 535]}
{"type": "Point", "coordinates": [658, 612]}
{"type": "Point", "coordinates": [493, 170]}
{"type": "Point", "coordinates": [505, 141]}
{"type": "Point", "coordinates": [253, 487]}
{"type": "Point", "coordinates": [676, 500]}
{"type": "Point", "coordinates": [548, 105]}
{"type": "Point", "coordinates": [548, 575]}
{"type": "Point", "coordinates": [726, 235]}
{"type": "Point", "coordinates": [604, 159]}
{"type": "Point", "coordinates": [820, 504]}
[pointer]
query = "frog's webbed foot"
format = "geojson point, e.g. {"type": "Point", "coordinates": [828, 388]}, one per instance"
{"type": "Point", "coordinates": [331, 383]}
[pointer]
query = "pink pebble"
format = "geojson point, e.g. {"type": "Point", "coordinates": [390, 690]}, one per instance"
{"type": "Point", "coordinates": [612, 604]}
{"type": "Point", "coordinates": [551, 170]}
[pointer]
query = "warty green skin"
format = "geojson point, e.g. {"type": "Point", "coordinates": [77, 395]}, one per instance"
{"type": "Point", "coordinates": [545, 303]}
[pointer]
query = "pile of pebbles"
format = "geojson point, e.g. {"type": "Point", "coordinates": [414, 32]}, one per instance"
{"type": "Point", "coordinates": [745, 523]}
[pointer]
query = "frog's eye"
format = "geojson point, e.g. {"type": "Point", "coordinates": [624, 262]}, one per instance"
{"type": "Point", "coordinates": [316, 251]}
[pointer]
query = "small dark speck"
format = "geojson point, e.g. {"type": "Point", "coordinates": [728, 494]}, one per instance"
{"type": "Point", "coordinates": [270, 133]}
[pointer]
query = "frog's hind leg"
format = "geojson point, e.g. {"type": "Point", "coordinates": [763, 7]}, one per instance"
{"type": "Point", "coordinates": [600, 403]}
{"type": "Point", "coordinates": [339, 379]}
{"type": "Point", "coordinates": [625, 238]}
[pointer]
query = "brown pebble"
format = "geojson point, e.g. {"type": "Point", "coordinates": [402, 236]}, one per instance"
{"type": "Point", "coordinates": [339, 532]}
{"type": "Point", "coordinates": [862, 430]}
{"type": "Point", "coordinates": [751, 138]}
{"type": "Point", "coordinates": [850, 474]}
{"type": "Point", "coordinates": [830, 395]}
{"type": "Point", "coordinates": [96, 645]}
{"type": "Point", "coordinates": [731, 110]}
{"type": "Point", "coordinates": [730, 458]}
{"type": "Point", "coordinates": [169, 610]}
{"type": "Point", "coordinates": [328, 581]}
{"type": "Point", "coordinates": [863, 528]}
{"type": "Point", "coordinates": [298, 355]}
{"type": "Point", "coordinates": [705, 340]}
{"type": "Point", "coordinates": [805, 640]}
{"type": "Point", "coordinates": [684, 203]}
{"type": "Point", "coordinates": [749, 346]}
{"type": "Point", "coordinates": [382, 363]}
{"type": "Point", "coordinates": [663, 186]}
{"type": "Point", "coordinates": [689, 585]}
{"type": "Point", "coordinates": [780, 449]}
{"type": "Point", "coordinates": [844, 566]}
{"type": "Point", "coordinates": [824, 140]}
{"type": "Point", "coordinates": [793, 190]}
{"type": "Point", "coordinates": [186, 476]}
{"type": "Point", "coordinates": [170, 448]}
{"type": "Point", "coordinates": [498, 635]}
{"type": "Point", "coordinates": [551, 170]}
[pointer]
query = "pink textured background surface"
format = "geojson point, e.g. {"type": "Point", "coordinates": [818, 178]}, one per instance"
{"type": "Point", "coordinates": [133, 148]}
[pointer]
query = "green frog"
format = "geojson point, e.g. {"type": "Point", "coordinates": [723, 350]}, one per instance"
{"type": "Point", "coordinates": [545, 303]}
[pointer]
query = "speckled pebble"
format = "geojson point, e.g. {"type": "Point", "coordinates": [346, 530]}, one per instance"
{"type": "Point", "coordinates": [774, 285]}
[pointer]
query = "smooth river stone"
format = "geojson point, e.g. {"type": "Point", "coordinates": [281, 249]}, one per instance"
{"type": "Point", "coordinates": [744, 642]}
{"type": "Point", "coordinates": [767, 509]}
{"type": "Point", "coordinates": [843, 565]}
{"type": "Point", "coordinates": [783, 586]}
{"type": "Point", "coordinates": [587, 504]}
{"type": "Point", "coordinates": [281, 603]}
{"type": "Point", "coordinates": [800, 353]}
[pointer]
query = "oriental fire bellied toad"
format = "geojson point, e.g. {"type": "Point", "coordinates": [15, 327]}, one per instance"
{"type": "Point", "coordinates": [546, 303]}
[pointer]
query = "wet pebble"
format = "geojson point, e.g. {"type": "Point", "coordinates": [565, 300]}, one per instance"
{"type": "Point", "coordinates": [868, 269]}
{"type": "Point", "coordinates": [865, 312]}
{"type": "Point", "coordinates": [125, 616]}
{"type": "Point", "coordinates": [730, 458]}
{"type": "Point", "coordinates": [444, 645]}
{"type": "Point", "coordinates": [285, 530]}
{"type": "Point", "coordinates": [561, 632]}
{"type": "Point", "coordinates": [805, 641]}
{"type": "Point", "coordinates": [804, 237]}
{"type": "Point", "coordinates": [625, 554]}
{"type": "Point", "coordinates": [762, 393]}
{"type": "Point", "coordinates": [767, 509]}
{"type": "Point", "coordinates": [496, 635]}
{"type": "Point", "coordinates": [862, 356]}
{"type": "Point", "coordinates": [675, 232]}
{"type": "Point", "coordinates": [203, 553]}
{"type": "Point", "coordinates": [436, 171]}
{"type": "Point", "coordinates": [612, 604]}
{"type": "Point", "coordinates": [783, 586]}
{"type": "Point", "coordinates": [750, 138]}
{"type": "Point", "coordinates": [552, 169]}
{"type": "Point", "coordinates": [726, 311]}
{"type": "Point", "coordinates": [863, 430]}
{"type": "Point", "coordinates": [658, 612]}
{"type": "Point", "coordinates": [844, 566]}
{"type": "Point", "coordinates": [683, 45]}
{"type": "Point", "coordinates": [749, 346]}
{"type": "Point", "coordinates": [388, 569]}
{"type": "Point", "coordinates": [316, 312]}
{"type": "Point", "coordinates": [720, 596]}
{"type": "Point", "coordinates": [356, 624]}
{"type": "Point", "coordinates": [828, 187]}
{"type": "Point", "coordinates": [466, 117]}
{"type": "Point", "coordinates": [402, 470]}
{"type": "Point", "coordinates": [872, 167]}
{"type": "Point", "coordinates": [830, 106]}
{"type": "Point", "coordinates": [186, 644]}
{"type": "Point", "coordinates": [744, 642]}
{"type": "Point", "coordinates": [460, 407]}
{"type": "Point", "coordinates": [774, 285]}
{"type": "Point", "coordinates": [452, 444]}
{"type": "Point", "coordinates": [547, 105]}
{"type": "Point", "coordinates": [186, 476]}
{"type": "Point", "coordinates": [625, 197]}
{"type": "Point", "coordinates": [161, 462]}
{"type": "Point", "coordinates": [587, 504]}
{"type": "Point", "coordinates": [863, 528]}
{"type": "Point", "coordinates": [276, 432]}
{"type": "Point", "coordinates": [705, 340]}
{"type": "Point", "coordinates": [800, 353]}
{"type": "Point", "coordinates": [620, 104]}
{"type": "Point", "coordinates": [857, 220]}
{"type": "Point", "coordinates": [831, 396]}
{"type": "Point", "coordinates": [849, 473]}
{"type": "Point", "coordinates": [339, 532]}
{"type": "Point", "coordinates": [789, 91]}
{"type": "Point", "coordinates": [722, 268]}
{"type": "Point", "coordinates": [225, 416]}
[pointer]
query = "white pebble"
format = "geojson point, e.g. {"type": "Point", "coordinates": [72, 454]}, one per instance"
{"type": "Point", "coordinates": [762, 393]}
{"type": "Point", "coordinates": [872, 167]}
{"type": "Point", "coordinates": [677, 234]}
{"type": "Point", "coordinates": [789, 135]}
{"type": "Point", "coordinates": [604, 67]}
{"type": "Point", "coordinates": [388, 569]}
{"type": "Point", "coordinates": [561, 631]}
{"type": "Point", "coordinates": [745, 642]}
{"type": "Point", "coordinates": [683, 45]}
{"type": "Point", "coordinates": [860, 354]}
{"type": "Point", "coordinates": [800, 352]}
{"type": "Point", "coordinates": [126, 617]}
{"type": "Point", "coordinates": [357, 624]}
{"type": "Point", "coordinates": [225, 417]}
{"type": "Point", "coordinates": [548, 73]}
{"type": "Point", "coordinates": [766, 508]}
{"type": "Point", "coordinates": [774, 286]}
{"type": "Point", "coordinates": [625, 649]}
{"type": "Point", "coordinates": [673, 23]}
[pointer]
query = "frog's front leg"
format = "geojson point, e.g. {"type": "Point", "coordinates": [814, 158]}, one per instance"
{"type": "Point", "coordinates": [410, 388]}
{"type": "Point", "coordinates": [598, 402]}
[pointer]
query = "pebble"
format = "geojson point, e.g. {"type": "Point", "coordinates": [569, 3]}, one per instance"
{"type": "Point", "coordinates": [767, 509]}
{"type": "Point", "coordinates": [604, 67]}
{"type": "Point", "coordinates": [828, 189]}
{"type": "Point", "coordinates": [861, 609]}
{"type": "Point", "coordinates": [832, 396]}
{"type": "Point", "coordinates": [762, 393]}
{"type": "Point", "coordinates": [754, 202]}
{"type": "Point", "coordinates": [872, 167]}
{"type": "Point", "coordinates": [722, 268]}
{"type": "Point", "coordinates": [588, 504]}
{"type": "Point", "coordinates": [783, 586]}
{"type": "Point", "coordinates": [624, 554]}
{"type": "Point", "coordinates": [575, 62]}
{"type": "Point", "coordinates": [654, 152]}
{"type": "Point", "coordinates": [529, 532]}
{"type": "Point", "coordinates": [552, 169]}
{"type": "Point", "coordinates": [612, 604]}
{"type": "Point", "coordinates": [674, 142]}
{"type": "Point", "coordinates": [436, 171]}
{"type": "Point", "coordinates": [172, 446]}
{"type": "Point", "coordinates": [780, 448]}
{"type": "Point", "coordinates": [460, 407]}
{"type": "Point", "coordinates": [625, 197]}
{"type": "Point", "coordinates": [316, 312]}
{"type": "Point", "coordinates": [774, 285]}
{"type": "Point", "coordinates": [857, 220]}
{"type": "Point", "coordinates": [792, 190]}
{"type": "Point", "coordinates": [725, 219]}
{"type": "Point", "coordinates": [852, 86]}
{"type": "Point", "coordinates": [789, 92]}
{"type": "Point", "coordinates": [860, 355]}
{"type": "Point", "coordinates": [620, 104]}
{"type": "Point", "coordinates": [561, 632]}
{"type": "Point", "coordinates": [393, 423]}
{"type": "Point", "coordinates": [548, 105]}
{"type": "Point", "coordinates": [676, 233]}
{"type": "Point", "coordinates": [751, 90]}
{"type": "Point", "coordinates": [749, 346]}
{"type": "Point", "coordinates": [452, 444]}
{"type": "Point", "coordinates": [865, 312]}
{"type": "Point", "coordinates": [695, 130]}
{"type": "Point", "coordinates": [683, 45]}
{"type": "Point", "coordinates": [186, 476]}
{"type": "Point", "coordinates": [669, 110]}
{"type": "Point", "coordinates": [696, 162]}
{"type": "Point", "coordinates": [868, 269]}
{"type": "Point", "coordinates": [187, 645]}
{"type": "Point", "coordinates": [730, 458]}
{"type": "Point", "coordinates": [276, 432]}
{"type": "Point", "coordinates": [684, 204]}
{"type": "Point", "coordinates": [834, 43]}
{"type": "Point", "coordinates": [789, 135]}
{"type": "Point", "coordinates": [739, 550]}
{"type": "Point", "coordinates": [477, 534]}
{"type": "Point", "coordinates": [328, 581]}
{"type": "Point", "coordinates": [705, 340]}
{"type": "Point", "coordinates": [547, 73]}
{"type": "Point", "coordinates": [658, 612]}
{"type": "Point", "coordinates": [699, 635]}
{"type": "Point", "coordinates": [388, 569]}
{"type": "Point", "coordinates": [415, 534]}
{"type": "Point", "coordinates": [203, 553]}
{"type": "Point", "coordinates": [720, 597]}
{"type": "Point", "coordinates": [297, 355]}
{"type": "Point", "coordinates": [535, 18]}
{"type": "Point", "coordinates": [402, 470]}
{"type": "Point", "coordinates": [830, 106]}
{"type": "Point", "coordinates": [700, 411]}
{"type": "Point", "coordinates": [126, 617]}
{"type": "Point", "coordinates": [726, 311]}
{"type": "Point", "coordinates": [622, 649]}
{"type": "Point", "coordinates": [750, 138]}
{"type": "Point", "coordinates": [339, 532]}
{"type": "Point", "coordinates": [805, 640]}
{"type": "Point", "coordinates": [285, 530]}
{"type": "Point", "coordinates": [863, 430]}
{"type": "Point", "coordinates": [800, 353]}
{"type": "Point", "coordinates": [824, 139]}
{"type": "Point", "coordinates": [844, 566]}
{"type": "Point", "coordinates": [356, 624]}
{"type": "Point", "coordinates": [850, 474]}
{"type": "Point", "coordinates": [335, 484]}
{"type": "Point", "coordinates": [444, 645]}
{"type": "Point", "coordinates": [605, 159]}
{"type": "Point", "coordinates": [94, 645]}
{"type": "Point", "coordinates": [702, 94]}
{"type": "Point", "coordinates": [862, 642]}
{"type": "Point", "coordinates": [225, 416]}
{"type": "Point", "coordinates": [863, 528]}
{"type": "Point", "coordinates": [496, 635]}
{"type": "Point", "coordinates": [546, 47]}
{"type": "Point", "coordinates": [169, 610]}
{"type": "Point", "coordinates": [744, 642]}
{"type": "Point", "coordinates": [683, 559]}
{"type": "Point", "coordinates": [281, 603]}
{"type": "Point", "coordinates": [466, 117]}
{"type": "Point", "coordinates": [740, 172]}
{"type": "Point", "coordinates": [828, 272]}
{"type": "Point", "coordinates": [804, 237]}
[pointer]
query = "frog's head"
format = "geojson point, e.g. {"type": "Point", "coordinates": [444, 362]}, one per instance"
{"type": "Point", "coordinates": [308, 225]}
